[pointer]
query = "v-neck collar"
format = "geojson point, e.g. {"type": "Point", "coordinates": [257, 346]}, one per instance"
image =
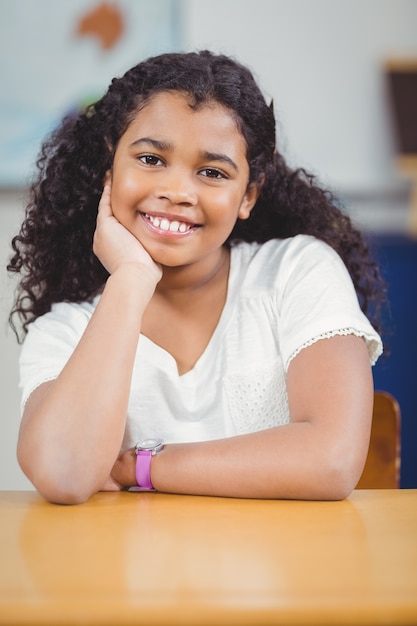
{"type": "Point", "coordinates": [164, 359]}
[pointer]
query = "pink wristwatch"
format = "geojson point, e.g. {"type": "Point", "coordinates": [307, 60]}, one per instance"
{"type": "Point", "coordinates": [145, 450]}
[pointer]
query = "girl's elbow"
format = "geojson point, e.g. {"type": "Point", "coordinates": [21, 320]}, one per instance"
{"type": "Point", "coordinates": [339, 487]}
{"type": "Point", "coordinates": [341, 476]}
{"type": "Point", "coordinates": [58, 492]}
{"type": "Point", "coordinates": [53, 487]}
{"type": "Point", "coordinates": [62, 493]}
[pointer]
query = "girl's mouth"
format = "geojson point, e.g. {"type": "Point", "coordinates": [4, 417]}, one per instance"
{"type": "Point", "coordinates": [165, 225]}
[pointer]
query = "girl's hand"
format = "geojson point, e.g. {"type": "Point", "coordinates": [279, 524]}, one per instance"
{"type": "Point", "coordinates": [115, 246]}
{"type": "Point", "coordinates": [111, 485]}
{"type": "Point", "coordinates": [123, 473]}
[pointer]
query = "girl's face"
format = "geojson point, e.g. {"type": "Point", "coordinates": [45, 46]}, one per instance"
{"type": "Point", "coordinates": [180, 179]}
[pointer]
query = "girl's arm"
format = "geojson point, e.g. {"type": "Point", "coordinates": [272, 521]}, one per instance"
{"type": "Point", "coordinates": [319, 455]}
{"type": "Point", "coordinates": [72, 427]}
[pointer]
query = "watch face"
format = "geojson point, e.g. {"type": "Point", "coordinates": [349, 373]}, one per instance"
{"type": "Point", "coordinates": [149, 444]}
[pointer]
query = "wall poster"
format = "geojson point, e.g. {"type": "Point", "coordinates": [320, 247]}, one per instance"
{"type": "Point", "coordinates": [56, 57]}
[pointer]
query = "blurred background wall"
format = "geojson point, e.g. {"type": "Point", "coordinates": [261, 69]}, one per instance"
{"type": "Point", "coordinates": [322, 62]}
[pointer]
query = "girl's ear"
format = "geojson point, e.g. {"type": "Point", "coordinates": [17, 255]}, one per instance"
{"type": "Point", "coordinates": [249, 199]}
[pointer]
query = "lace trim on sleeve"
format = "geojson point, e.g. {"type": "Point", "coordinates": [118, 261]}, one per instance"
{"type": "Point", "coordinates": [33, 388]}
{"type": "Point", "coordinates": [374, 346]}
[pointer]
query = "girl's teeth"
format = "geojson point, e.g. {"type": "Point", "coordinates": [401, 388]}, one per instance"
{"type": "Point", "coordinates": [175, 226]}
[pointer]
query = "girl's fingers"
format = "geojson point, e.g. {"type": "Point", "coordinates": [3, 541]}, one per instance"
{"type": "Point", "coordinates": [104, 206]}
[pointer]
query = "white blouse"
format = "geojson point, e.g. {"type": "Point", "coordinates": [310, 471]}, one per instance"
{"type": "Point", "coordinates": [282, 296]}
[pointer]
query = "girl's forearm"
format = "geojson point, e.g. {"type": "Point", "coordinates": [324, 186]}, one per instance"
{"type": "Point", "coordinates": [72, 429]}
{"type": "Point", "coordinates": [295, 461]}
{"type": "Point", "coordinates": [292, 461]}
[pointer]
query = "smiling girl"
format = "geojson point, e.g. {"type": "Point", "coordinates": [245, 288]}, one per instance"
{"type": "Point", "coordinates": [199, 325]}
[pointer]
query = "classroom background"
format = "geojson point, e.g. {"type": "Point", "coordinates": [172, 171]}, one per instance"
{"type": "Point", "coordinates": [325, 63]}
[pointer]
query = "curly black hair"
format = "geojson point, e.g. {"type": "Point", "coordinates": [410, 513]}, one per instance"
{"type": "Point", "coordinates": [53, 250]}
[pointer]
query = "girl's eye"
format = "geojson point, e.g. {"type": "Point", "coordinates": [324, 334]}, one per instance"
{"type": "Point", "coordinates": [150, 159]}
{"type": "Point", "coordinates": [211, 172]}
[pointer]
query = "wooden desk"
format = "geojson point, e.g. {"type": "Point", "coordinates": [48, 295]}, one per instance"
{"type": "Point", "coordinates": [149, 558]}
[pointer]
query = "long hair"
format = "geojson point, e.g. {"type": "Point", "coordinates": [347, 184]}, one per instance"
{"type": "Point", "coordinates": [53, 250]}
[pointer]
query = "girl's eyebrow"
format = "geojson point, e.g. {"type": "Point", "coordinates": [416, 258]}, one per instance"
{"type": "Point", "coordinates": [155, 143]}
{"type": "Point", "coordinates": [218, 156]}
{"type": "Point", "coordinates": [165, 146]}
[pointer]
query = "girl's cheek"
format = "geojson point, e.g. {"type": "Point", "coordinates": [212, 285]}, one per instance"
{"type": "Point", "coordinates": [127, 181]}
{"type": "Point", "coordinates": [125, 196]}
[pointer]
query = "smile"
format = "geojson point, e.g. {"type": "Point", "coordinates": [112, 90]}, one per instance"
{"type": "Point", "coordinates": [171, 226]}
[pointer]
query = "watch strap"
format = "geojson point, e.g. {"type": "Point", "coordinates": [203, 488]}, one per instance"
{"type": "Point", "coordinates": [143, 470]}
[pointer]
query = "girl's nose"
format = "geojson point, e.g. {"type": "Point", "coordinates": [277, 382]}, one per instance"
{"type": "Point", "coordinates": [177, 189]}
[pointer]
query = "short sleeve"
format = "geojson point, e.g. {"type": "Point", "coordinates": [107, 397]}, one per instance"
{"type": "Point", "coordinates": [50, 341]}
{"type": "Point", "coordinates": [317, 300]}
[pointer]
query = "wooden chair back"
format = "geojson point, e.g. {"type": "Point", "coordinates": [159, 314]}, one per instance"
{"type": "Point", "coordinates": [382, 467]}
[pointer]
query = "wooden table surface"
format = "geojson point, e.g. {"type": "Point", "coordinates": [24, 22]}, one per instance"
{"type": "Point", "coordinates": [151, 558]}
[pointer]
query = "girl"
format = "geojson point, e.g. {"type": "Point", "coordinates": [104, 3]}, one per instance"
{"type": "Point", "coordinates": [201, 334]}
